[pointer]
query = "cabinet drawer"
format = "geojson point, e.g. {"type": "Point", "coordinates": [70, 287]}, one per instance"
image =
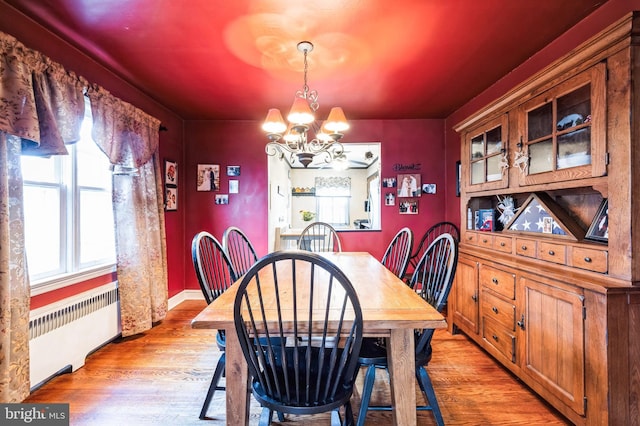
{"type": "Point", "coordinates": [499, 338]}
{"type": "Point", "coordinates": [551, 252]}
{"type": "Point", "coordinates": [593, 260]}
{"type": "Point", "coordinates": [471, 238]}
{"type": "Point", "coordinates": [485, 240]}
{"type": "Point", "coordinates": [526, 247]}
{"type": "Point", "coordinates": [501, 282]}
{"type": "Point", "coordinates": [501, 311]}
{"type": "Point", "coordinates": [502, 243]}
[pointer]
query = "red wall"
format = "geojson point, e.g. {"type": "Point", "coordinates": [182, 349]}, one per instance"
{"type": "Point", "coordinates": [403, 142]}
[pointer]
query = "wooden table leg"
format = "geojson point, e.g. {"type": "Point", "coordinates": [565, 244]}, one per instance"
{"type": "Point", "coordinates": [237, 388]}
{"type": "Point", "coordinates": [401, 355]}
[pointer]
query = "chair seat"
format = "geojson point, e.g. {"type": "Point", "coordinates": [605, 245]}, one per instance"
{"type": "Point", "coordinates": [374, 352]}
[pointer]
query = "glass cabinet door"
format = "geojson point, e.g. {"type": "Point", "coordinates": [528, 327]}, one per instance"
{"type": "Point", "coordinates": [563, 129]}
{"type": "Point", "coordinates": [485, 151]}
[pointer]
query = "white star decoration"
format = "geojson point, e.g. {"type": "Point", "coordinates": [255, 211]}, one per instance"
{"type": "Point", "coordinates": [526, 224]}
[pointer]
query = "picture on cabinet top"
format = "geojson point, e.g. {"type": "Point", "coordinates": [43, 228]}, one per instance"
{"type": "Point", "coordinates": [409, 185]}
{"type": "Point", "coordinates": [599, 229]}
{"type": "Point", "coordinates": [208, 177]}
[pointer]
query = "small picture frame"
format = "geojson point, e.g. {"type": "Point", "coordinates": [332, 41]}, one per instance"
{"type": "Point", "coordinates": [429, 188]}
{"type": "Point", "coordinates": [389, 182]}
{"type": "Point", "coordinates": [485, 220]}
{"type": "Point", "coordinates": [170, 198]}
{"type": "Point", "coordinates": [233, 186]}
{"type": "Point", "coordinates": [390, 199]}
{"type": "Point", "coordinates": [233, 170]}
{"type": "Point", "coordinates": [409, 185]}
{"type": "Point", "coordinates": [170, 173]}
{"type": "Point", "coordinates": [458, 177]}
{"type": "Point", "coordinates": [599, 229]}
{"type": "Point", "coordinates": [408, 207]}
{"type": "Point", "coordinates": [222, 198]}
{"type": "Point", "coordinates": [208, 177]}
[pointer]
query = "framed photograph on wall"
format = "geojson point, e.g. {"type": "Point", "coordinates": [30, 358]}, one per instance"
{"type": "Point", "coordinates": [208, 177]}
{"type": "Point", "coordinates": [408, 207]}
{"type": "Point", "coordinates": [233, 170]}
{"type": "Point", "coordinates": [170, 173]}
{"type": "Point", "coordinates": [599, 229]}
{"type": "Point", "coordinates": [170, 198]}
{"type": "Point", "coordinates": [409, 185]}
{"type": "Point", "coordinates": [458, 177]}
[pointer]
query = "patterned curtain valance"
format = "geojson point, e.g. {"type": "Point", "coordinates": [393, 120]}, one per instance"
{"type": "Point", "coordinates": [40, 101]}
{"type": "Point", "coordinates": [128, 135]}
{"type": "Point", "coordinates": [333, 186]}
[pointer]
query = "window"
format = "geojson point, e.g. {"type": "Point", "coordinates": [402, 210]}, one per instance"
{"type": "Point", "coordinates": [333, 197]}
{"type": "Point", "coordinates": [69, 229]}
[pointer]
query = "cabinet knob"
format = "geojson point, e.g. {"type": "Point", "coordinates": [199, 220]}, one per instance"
{"type": "Point", "coordinates": [523, 248]}
{"type": "Point", "coordinates": [474, 298]}
{"type": "Point", "coordinates": [495, 337]}
{"type": "Point", "coordinates": [494, 280]}
{"type": "Point", "coordinates": [587, 259]}
{"type": "Point", "coordinates": [552, 253]}
{"type": "Point", "coordinates": [502, 244]}
{"type": "Point", "coordinates": [521, 322]}
{"type": "Point", "coordinates": [494, 309]}
{"type": "Point", "coordinates": [484, 240]}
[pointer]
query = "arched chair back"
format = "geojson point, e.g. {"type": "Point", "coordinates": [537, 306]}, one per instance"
{"type": "Point", "coordinates": [396, 257]}
{"type": "Point", "coordinates": [239, 249]}
{"type": "Point", "coordinates": [426, 240]}
{"type": "Point", "coordinates": [319, 237]}
{"type": "Point", "coordinates": [432, 279]}
{"type": "Point", "coordinates": [215, 274]}
{"type": "Point", "coordinates": [299, 378]}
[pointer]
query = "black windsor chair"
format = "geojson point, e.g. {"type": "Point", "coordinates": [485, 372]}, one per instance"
{"type": "Point", "coordinates": [293, 294]}
{"type": "Point", "coordinates": [239, 249]}
{"type": "Point", "coordinates": [319, 237]}
{"type": "Point", "coordinates": [215, 274]}
{"type": "Point", "coordinates": [426, 240]}
{"type": "Point", "coordinates": [396, 257]}
{"type": "Point", "coordinates": [432, 279]}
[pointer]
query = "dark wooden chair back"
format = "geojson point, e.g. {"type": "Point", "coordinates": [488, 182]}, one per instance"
{"type": "Point", "coordinates": [239, 249]}
{"type": "Point", "coordinates": [215, 274]}
{"type": "Point", "coordinates": [428, 237]}
{"type": "Point", "coordinates": [319, 237]}
{"type": "Point", "coordinates": [304, 298]}
{"type": "Point", "coordinates": [396, 257]}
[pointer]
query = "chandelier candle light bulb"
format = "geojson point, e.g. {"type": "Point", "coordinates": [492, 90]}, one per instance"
{"type": "Point", "coordinates": [293, 140]}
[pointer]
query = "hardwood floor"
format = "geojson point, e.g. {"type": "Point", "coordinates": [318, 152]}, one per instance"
{"type": "Point", "coordinates": [161, 378]}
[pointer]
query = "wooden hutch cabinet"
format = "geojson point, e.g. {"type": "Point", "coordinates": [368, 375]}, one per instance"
{"type": "Point", "coordinates": [548, 279]}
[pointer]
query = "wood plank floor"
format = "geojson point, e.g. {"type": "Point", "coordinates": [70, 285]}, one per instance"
{"type": "Point", "coordinates": [161, 378]}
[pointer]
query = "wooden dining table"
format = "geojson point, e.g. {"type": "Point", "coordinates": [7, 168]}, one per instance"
{"type": "Point", "coordinates": [390, 309]}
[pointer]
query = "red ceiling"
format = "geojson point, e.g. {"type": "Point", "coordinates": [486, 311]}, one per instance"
{"type": "Point", "coordinates": [378, 59]}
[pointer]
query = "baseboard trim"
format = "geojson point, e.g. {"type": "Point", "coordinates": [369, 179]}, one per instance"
{"type": "Point", "coordinates": [185, 295]}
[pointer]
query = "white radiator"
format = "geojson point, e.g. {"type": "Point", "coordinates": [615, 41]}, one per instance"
{"type": "Point", "coordinates": [62, 334]}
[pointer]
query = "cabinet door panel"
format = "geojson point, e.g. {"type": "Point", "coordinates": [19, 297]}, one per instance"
{"type": "Point", "coordinates": [554, 342]}
{"type": "Point", "coordinates": [466, 307]}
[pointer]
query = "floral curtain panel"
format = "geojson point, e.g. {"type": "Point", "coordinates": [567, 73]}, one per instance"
{"type": "Point", "coordinates": [14, 280]}
{"type": "Point", "coordinates": [41, 110]}
{"type": "Point", "coordinates": [130, 139]}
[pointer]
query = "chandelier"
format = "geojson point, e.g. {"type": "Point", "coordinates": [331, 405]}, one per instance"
{"type": "Point", "coordinates": [293, 140]}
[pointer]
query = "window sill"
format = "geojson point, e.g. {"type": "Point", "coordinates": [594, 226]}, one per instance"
{"type": "Point", "coordinates": [60, 281]}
